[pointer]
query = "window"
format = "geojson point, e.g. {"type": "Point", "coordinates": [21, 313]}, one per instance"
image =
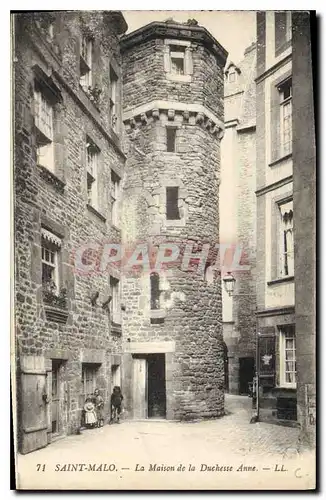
{"type": "Point", "coordinates": [86, 55]}
{"type": "Point", "coordinates": [285, 91]}
{"type": "Point", "coordinates": [170, 139]}
{"type": "Point", "coordinates": [232, 76]}
{"type": "Point", "coordinates": [45, 23]}
{"type": "Point", "coordinates": [89, 374]}
{"type": "Point", "coordinates": [177, 56]}
{"type": "Point", "coordinates": [44, 128]}
{"type": "Point", "coordinates": [286, 239]}
{"type": "Point", "coordinates": [115, 375]}
{"type": "Point", "coordinates": [92, 155]}
{"type": "Point", "coordinates": [50, 247]}
{"type": "Point", "coordinates": [115, 197]}
{"type": "Point", "coordinates": [283, 31]}
{"type": "Point", "coordinates": [178, 60]}
{"type": "Point", "coordinates": [155, 291]}
{"type": "Point", "coordinates": [115, 302]}
{"type": "Point", "coordinates": [288, 368]}
{"type": "Point", "coordinates": [113, 98]}
{"type": "Point", "coordinates": [172, 208]}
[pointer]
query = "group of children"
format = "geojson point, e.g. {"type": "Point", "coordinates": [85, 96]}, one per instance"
{"type": "Point", "coordinates": [94, 408]}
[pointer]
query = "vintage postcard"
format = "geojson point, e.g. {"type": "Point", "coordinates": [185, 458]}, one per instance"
{"type": "Point", "coordinates": [164, 193]}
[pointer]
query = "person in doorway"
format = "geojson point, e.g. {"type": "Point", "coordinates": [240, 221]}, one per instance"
{"type": "Point", "coordinates": [90, 413]}
{"type": "Point", "coordinates": [116, 404]}
{"type": "Point", "coordinates": [99, 407]}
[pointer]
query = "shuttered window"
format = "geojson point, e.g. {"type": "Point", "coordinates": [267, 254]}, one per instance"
{"type": "Point", "coordinates": [89, 374]}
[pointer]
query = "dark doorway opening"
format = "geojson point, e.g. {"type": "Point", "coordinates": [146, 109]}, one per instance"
{"type": "Point", "coordinates": [156, 386]}
{"type": "Point", "coordinates": [246, 374]}
{"type": "Point", "coordinates": [226, 367]}
{"type": "Point", "coordinates": [55, 403]}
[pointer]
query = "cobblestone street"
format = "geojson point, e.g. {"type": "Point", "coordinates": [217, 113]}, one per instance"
{"type": "Point", "coordinates": [227, 442]}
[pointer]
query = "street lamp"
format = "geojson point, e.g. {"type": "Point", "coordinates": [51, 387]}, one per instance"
{"type": "Point", "coordinates": [229, 282]}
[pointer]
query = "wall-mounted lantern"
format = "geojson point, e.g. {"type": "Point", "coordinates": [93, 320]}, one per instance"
{"type": "Point", "coordinates": [229, 283]}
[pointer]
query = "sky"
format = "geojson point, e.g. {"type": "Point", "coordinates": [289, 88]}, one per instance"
{"type": "Point", "coordinates": [234, 30]}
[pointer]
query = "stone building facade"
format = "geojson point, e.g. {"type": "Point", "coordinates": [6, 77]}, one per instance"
{"type": "Point", "coordinates": [90, 176]}
{"type": "Point", "coordinates": [238, 219]}
{"type": "Point", "coordinates": [173, 113]}
{"type": "Point", "coordinates": [304, 200]}
{"type": "Point", "coordinates": [275, 270]}
{"type": "Point", "coordinates": [68, 155]}
{"type": "Point", "coordinates": [285, 219]}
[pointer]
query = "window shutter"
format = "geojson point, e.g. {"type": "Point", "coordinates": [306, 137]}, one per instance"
{"type": "Point", "coordinates": [266, 360]}
{"type": "Point", "coordinates": [188, 62]}
{"type": "Point", "coordinates": [167, 62]}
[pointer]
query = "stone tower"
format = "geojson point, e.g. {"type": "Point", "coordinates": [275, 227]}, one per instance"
{"type": "Point", "coordinates": [173, 114]}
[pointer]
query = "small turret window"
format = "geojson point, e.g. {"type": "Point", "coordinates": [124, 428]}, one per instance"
{"type": "Point", "coordinates": [178, 64]}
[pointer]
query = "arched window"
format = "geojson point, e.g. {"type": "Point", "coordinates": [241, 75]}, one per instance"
{"type": "Point", "coordinates": [155, 291]}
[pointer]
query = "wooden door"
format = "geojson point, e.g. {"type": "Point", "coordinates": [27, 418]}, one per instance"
{"type": "Point", "coordinates": [35, 402]}
{"type": "Point", "coordinates": [140, 388]}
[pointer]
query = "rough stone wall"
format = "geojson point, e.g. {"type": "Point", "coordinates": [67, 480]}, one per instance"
{"type": "Point", "coordinates": [39, 201]}
{"type": "Point", "coordinates": [192, 306]}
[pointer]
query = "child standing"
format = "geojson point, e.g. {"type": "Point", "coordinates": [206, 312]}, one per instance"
{"type": "Point", "coordinates": [99, 406]}
{"type": "Point", "coordinates": [90, 413]}
{"type": "Point", "coordinates": [116, 404]}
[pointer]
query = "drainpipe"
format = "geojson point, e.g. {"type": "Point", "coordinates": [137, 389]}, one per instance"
{"type": "Point", "coordinates": [257, 374]}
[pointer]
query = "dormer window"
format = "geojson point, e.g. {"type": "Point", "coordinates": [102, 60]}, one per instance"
{"type": "Point", "coordinates": [232, 76]}
{"type": "Point", "coordinates": [232, 73]}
